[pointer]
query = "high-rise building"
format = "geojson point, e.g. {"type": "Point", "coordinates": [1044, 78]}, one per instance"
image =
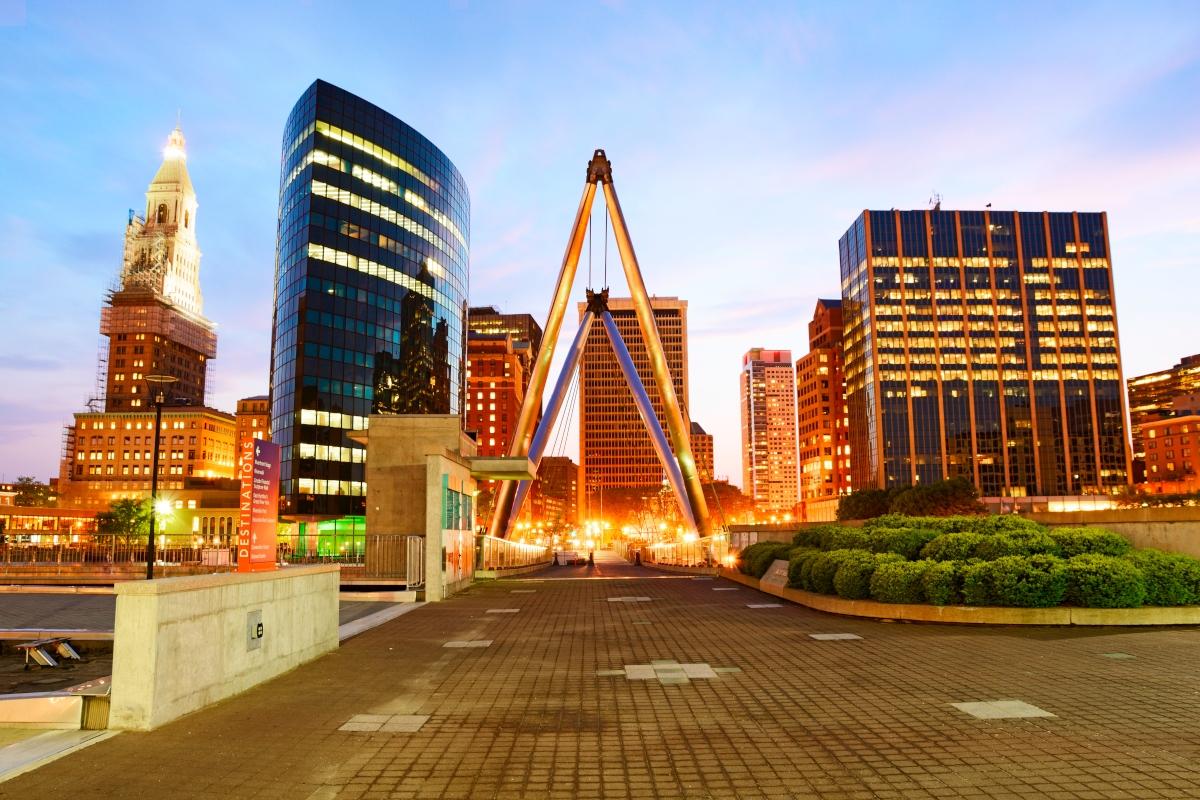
{"type": "Point", "coordinates": [768, 382]}
{"type": "Point", "coordinates": [524, 330]}
{"type": "Point", "coordinates": [555, 494]}
{"type": "Point", "coordinates": [702, 451]}
{"type": "Point", "coordinates": [154, 322]}
{"type": "Point", "coordinates": [615, 450]}
{"type": "Point", "coordinates": [1153, 397]}
{"type": "Point", "coordinates": [496, 383]}
{"type": "Point", "coordinates": [253, 419]}
{"type": "Point", "coordinates": [370, 291]}
{"type": "Point", "coordinates": [821, 416]}
{"type": "Point", "coordinates": [983, 344]}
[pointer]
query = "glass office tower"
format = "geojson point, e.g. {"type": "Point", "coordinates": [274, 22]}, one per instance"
{"type": "Point", "coordinates": [370, 291]}
{"type": "Point", "coordinates": [983, 344]}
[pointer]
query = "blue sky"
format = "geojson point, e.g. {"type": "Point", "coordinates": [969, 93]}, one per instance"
{"type": "Point", "coordinates": [745, 138]}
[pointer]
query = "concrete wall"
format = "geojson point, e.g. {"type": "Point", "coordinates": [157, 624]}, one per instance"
{"type": "Point", "coordinates": [1175, 530]}
{"type": "Point", "coordinates": [184, 643]}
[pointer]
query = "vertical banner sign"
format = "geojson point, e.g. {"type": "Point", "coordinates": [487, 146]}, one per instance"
{"type": "Point", "coordinates": [258, 469]}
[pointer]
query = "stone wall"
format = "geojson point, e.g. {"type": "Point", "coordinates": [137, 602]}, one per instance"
{"type": "Point", "coordinates": [1175, 530]}
{"type": "Point", "coordinates": [181, 644]}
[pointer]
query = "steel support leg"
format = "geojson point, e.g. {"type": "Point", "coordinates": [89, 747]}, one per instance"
{"type": "Point", "coordinates": [677, 425]}
{"type": "Point", "coordinates": [523, 431]}
{"type": "Point", "coordinates": [649, 418]}
{"type": "Point", "coordinates": [538, 446]}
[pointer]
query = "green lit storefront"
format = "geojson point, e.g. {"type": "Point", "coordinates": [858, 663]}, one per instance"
{"type": "Point", "coordinates": [341, 539]}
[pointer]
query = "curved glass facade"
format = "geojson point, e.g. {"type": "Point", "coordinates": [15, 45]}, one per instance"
{"type": "Point", "coordinates": [370, 291]}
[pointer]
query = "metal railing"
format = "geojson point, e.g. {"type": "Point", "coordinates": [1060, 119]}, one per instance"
{"type": "Point", "coordinates": [99, 552]}
{"type": "Point", "coordinates": [496, 553]}
{"type": "Point", "coordinates": [710, 551]}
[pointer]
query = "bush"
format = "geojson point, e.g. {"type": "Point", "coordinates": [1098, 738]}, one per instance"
{"type": "Point", "coordinates": [943, 498]}
{"type": "Point", "coordinates": [865, 504]}
{"type": "Point", "coordinates": [905, 542]}
{"type": "Point", "coordinates": [1036, 581]}
{"type": "Point", "coordinates": [757, 558]}
{"type": "Point", "coordinates": [1100, 581]}
{"type": "Point", "coordinates": [1002, 523]}
{"type": "Point", "coordinates": [1079, 541]}
{"type": "Point", "coordinates": [952, 547]}
{"type": "Point", "coordinates": [942, 582]}
{"type": "Point", "coordinates": [800, 563]}
{"type": "Point", "coordinates": [812, 537]}
{"type": "Point", "coordinates": [839, 538]}
{"type": "Point", "coordinates": [899, 581]}
{"type": "Point", "coordinates": [824, 568]}
{"type": "Point", "coordinates": [853, 578]}
{"type": "Point", "coordinates": [1017, 543]}
{"type": "Point", "coordinates": [1172, 579]}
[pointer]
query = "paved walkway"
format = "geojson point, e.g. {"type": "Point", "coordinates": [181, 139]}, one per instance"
{"type": "Point", "coordinates": [670, 688]}
{"type": "Point", "coordinates": [608, 565]}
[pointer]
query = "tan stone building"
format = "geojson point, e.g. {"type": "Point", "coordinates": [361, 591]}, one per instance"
{"type": "Point", "coordinates": [768, 402]}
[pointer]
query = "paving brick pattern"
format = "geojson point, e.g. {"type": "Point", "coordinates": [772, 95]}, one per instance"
{"type": "Point", "coordinates": [541, 714]}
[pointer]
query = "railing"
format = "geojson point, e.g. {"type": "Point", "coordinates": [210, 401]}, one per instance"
{"type": "Point", "coordinates": [116, 553]}
{"type": "Point", "coordinates": [710, 551]}
{"type": "Point", "coordinates": [496, 553]}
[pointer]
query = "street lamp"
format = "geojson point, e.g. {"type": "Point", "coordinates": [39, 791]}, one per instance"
{"type": "Point", "coordinates": [158, 384]}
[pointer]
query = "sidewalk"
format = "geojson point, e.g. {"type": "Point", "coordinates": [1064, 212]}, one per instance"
{"type": "Point", "coordinates": [670, 688]}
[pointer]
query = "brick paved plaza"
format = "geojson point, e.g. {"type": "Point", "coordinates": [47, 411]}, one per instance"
{"type": "Point", "coordinates": [675, 687]}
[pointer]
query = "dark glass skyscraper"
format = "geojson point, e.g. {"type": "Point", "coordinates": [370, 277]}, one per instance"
{"type": "Point", "coordinates": [983, 344]}
{"type": "Point", "coordinates": [370, 291]}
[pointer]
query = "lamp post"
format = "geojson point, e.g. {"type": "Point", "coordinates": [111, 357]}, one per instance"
{"type": "Point", "coordinates": [157, 385]}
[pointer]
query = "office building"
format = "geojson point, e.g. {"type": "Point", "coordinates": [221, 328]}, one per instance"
{"type": "Point", "coordinates": [822, 426]}
{"type": "Point", "coordinates": [768, 401]}
{"type": "Point", "coordinates": [1155, 396]}
{"type": "Point", "coordinates": [983, 344]}
{"type": "Point", "coordinates": [496, 383]}
{"type": "Point", "coordinates": [702, 451]}
{"type": "Point", "coordinates": [615, 450]}
{"type": "Point", "coordinates": [523, 329]}
{"type": "Point", "coordinates": [154, 322]}
{"type": "Point", "coordinates": [554, 498]}
{"type": "Point", "coordinates": [109, 455]}
{"type": "Point", "coordinates": [1172, 456]}
{"type": "Point", "coordinates": [370, 292]}
{"type": "Point", "coordinates": [253, 419]}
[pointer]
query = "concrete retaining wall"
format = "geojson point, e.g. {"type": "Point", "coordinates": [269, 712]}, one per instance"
{"type": "Point", "coordinates": [1175, 530]}
{"type": "Point", "coordinates": [184, 643]}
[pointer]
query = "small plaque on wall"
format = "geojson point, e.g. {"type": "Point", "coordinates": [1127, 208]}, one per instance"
{"type": "Point", "coordinates": [254, 629]}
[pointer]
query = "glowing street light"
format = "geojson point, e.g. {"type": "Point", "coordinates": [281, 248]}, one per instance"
{"type": "Point", "coordinates": [158, 383]}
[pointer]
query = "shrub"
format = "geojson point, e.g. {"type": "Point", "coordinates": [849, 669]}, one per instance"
{"type": "Point", "coordinates": [853, 578]}
{"type": "Point", "coordinates": [864, 504]}
{"type": "Point", "coordinates": [812, 537]}
{"type": "Point", "coordinates": [899, 581]}
{"type": "Point", "coordinates": [942, 582]}
{"type": "Point", "coordinates": [757, 558]}
{"type": "Point", "coordinates": [1002, 523]}
{"type": "Point", "coordinates": [1100, 581]}
{"type": "Point", "coordinates": [1172, 579]}
{"type": "Point", "coordinates": [799, 563]}
{"type": "Point", "coordinates": [824, 568]}
{"type": "Point", "coordinates": [839, 538]}
{"type": "Point", "coordinates": [1036, 581]}
{"type": "Point", "coordinates": [942, 498]}
{"type": "Point", "coordinates": [952, 547]}
{"type": "Point", "coordinates": [905, 542]}
{"type": "Point", "coordinates": [1078, 541]}
{"type": "Point", "coordinates": [1017, 543]}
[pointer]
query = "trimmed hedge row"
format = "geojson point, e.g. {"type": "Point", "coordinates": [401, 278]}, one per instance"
{"type": "Point", "coordinates": [997, 561]}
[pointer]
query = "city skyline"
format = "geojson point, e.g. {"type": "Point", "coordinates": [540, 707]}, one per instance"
{"type": "Point", "coordinates": [664, 94]}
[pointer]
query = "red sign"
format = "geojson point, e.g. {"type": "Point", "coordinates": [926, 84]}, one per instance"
{"type": "Point", "coordinates": [258, 468]}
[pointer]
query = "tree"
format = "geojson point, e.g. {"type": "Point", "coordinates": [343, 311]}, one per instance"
{"type": "Point", "coordinates": [940, 499]}
{"type": "Point", "coordinates": [31, 492]}
{"type": "Point", "coordinates": [127, 520]}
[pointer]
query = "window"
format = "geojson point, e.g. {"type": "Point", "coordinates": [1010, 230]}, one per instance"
{"type": "Point", "coordinates": [161, 219]}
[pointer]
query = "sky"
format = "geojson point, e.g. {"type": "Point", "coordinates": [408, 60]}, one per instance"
{"type": "Point", "coordinates": [745, 138]}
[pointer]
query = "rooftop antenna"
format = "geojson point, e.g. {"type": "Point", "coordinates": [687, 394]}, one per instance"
{"type": "Point", "coordinates": [935, 201]}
